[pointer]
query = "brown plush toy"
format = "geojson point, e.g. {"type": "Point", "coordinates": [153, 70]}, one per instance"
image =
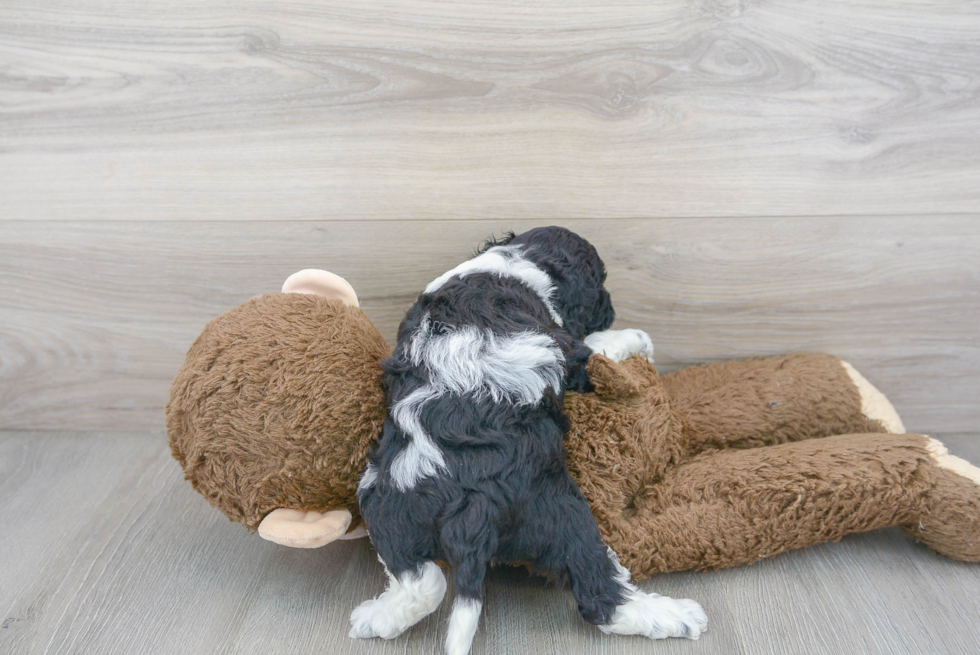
{"type": "Point", "coordinates": [279, 400]}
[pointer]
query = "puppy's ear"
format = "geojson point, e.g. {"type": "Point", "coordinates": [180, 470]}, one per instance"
{"type": "Point", "coordinates": [603, 315]}
{"type": "Point", "coordinates": [321, 283]}
{"type": "Point", "coordinates": [494, 241]}
{"type": "Point", "coordinates": [588, 311]}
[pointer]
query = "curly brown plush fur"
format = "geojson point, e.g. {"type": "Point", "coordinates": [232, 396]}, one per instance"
{"type": "Point", "coordinates": [279, 400]}
{"type": "Point", "coordinates": [675, 491]}
{"type": "Point", "coordinates": [766, 401]}
{"type": "Point", "coordinates": [277, 404]}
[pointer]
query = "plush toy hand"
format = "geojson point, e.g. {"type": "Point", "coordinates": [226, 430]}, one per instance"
{"type": "Point", "coordinates": [612, 379]}
{"type": "Point", "coordinates": [634, 380]}
{"type": "Point", "coordinates": [618, 345]}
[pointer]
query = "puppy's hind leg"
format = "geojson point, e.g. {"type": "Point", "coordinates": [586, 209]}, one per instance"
{"type": "Point", "coordinates": [416, 585]}
{"type": "Point", "coordinates": [410, 597]}
{"type": "Point", "coordinates": [569, 544]}
{"type": "Point", "coordinates": [469, 539]}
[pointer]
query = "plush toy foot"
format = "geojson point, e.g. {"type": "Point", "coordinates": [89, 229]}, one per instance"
{"type": "Point", "coordinates": [657, 617]}
{"type": "Point", "coordinates": [874, 404]}
{"type": "Point", "coordinates": [949, 519]}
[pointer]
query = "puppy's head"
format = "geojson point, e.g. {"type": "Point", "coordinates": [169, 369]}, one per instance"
{"type": "Point", "coordinates": [577, 272]}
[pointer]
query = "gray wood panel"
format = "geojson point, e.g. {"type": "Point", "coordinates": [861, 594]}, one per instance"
{"type": "Point", "coordinates": [107, 551]}
{"type": "Point", "coordinates": [360, 109]}
{"type": "Point", "coordinates": [51, 487]}
{"type": "Point", "coordinates": [98, 315]}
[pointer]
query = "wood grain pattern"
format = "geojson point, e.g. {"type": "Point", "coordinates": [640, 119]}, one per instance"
{"type": "Point", "coordinates": [113, 553]}
{"type": "Point", "coordinates": [51, 486]}
{"type": "Point", "coordinates": [98, 315]}
{"type": "Point", "coordinates": [360, 109]}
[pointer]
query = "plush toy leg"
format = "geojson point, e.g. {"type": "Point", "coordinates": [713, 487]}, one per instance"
{"type": "Point", "coordinates": [772, 400]}
{"type": "Point", "coordinates": [730, 507]}
{"type": "Point", "coordinates": [948, 517]}
{"type": "Point", "coordinates": [874, 404]}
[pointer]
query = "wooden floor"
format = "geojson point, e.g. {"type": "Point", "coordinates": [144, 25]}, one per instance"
{"type": "Point", "coordinates": [105, 549]}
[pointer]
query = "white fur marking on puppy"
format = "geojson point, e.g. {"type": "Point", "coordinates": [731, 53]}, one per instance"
{"type": "Point", "coordinates": [652, 615]}
{"type": "Point", "coordinates": [369, 478]}
{"type": "Point", "coordinates": [407, 600]}
{"type": "Point", "coordinates": [421, 458]}
{"type": "Point", "coordinates": [517, 368]}
{"type": "Point", "coordinates": [462, 625]}
{"type": "Point", "coordinates": [618, 345]}
{"type": "Point", "coordinates": [505, 261]}
{"type": "Point", "coordinates": [951, 462]}
{"type": "Point", "coordinates": [622, 575]}
{"type": "Point", "coordinates": [874, 404]}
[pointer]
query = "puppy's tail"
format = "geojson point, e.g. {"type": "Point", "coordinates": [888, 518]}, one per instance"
{"type": "Point", "coordinates": [462, 625]}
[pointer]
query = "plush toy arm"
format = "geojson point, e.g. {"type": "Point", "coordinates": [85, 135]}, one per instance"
{"type": "Point", "coordinates": [611, 346]}
{"type": "Point", "coordinates": [766, 401]}
{"type": "Point", "coordinates": [614, 380]}
{"type": "Point", "coordinates": [731, 507]}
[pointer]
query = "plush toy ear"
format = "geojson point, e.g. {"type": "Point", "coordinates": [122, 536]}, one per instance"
{"type": "Point", "coordinates": [320, 283]}
{"type": "Point", "coordinates": [299, 529]}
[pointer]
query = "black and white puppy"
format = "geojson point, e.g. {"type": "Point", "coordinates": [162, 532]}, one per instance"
{"type": "Point", "coordinates": [470, 466]}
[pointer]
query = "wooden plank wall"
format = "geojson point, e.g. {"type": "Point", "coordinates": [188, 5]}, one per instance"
{"type": "Point", "coordinates": [761, 177]}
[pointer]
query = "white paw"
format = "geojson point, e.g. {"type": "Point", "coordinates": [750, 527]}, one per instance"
{"type": "Point", "coordinates": [658, 617]}
{"type": "Point", "coordinates": [618, 345]}
{"type": "Point", "coordinates": [407, 600]}
{"type": "Point", "coordinates": [372, 619]}
{"type": "Point", "coordinates": [368, 620]}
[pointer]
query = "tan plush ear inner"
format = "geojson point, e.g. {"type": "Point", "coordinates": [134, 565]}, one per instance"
{"type": "Point", "coordinates": [950, 462]}
{"type": "Point", "coordinates": [320, 283]}
{"type": "Point", "coordinates": [299, 529]}
{"type": "Point", "coordinates": [874, 404]}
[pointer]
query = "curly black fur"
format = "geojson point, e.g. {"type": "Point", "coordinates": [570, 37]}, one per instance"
{"type": "Point", "coordinates": [503, 491]}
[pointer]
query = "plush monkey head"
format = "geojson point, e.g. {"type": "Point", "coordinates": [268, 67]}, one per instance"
{"type": "Point", "coordinates": [274, 409]}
